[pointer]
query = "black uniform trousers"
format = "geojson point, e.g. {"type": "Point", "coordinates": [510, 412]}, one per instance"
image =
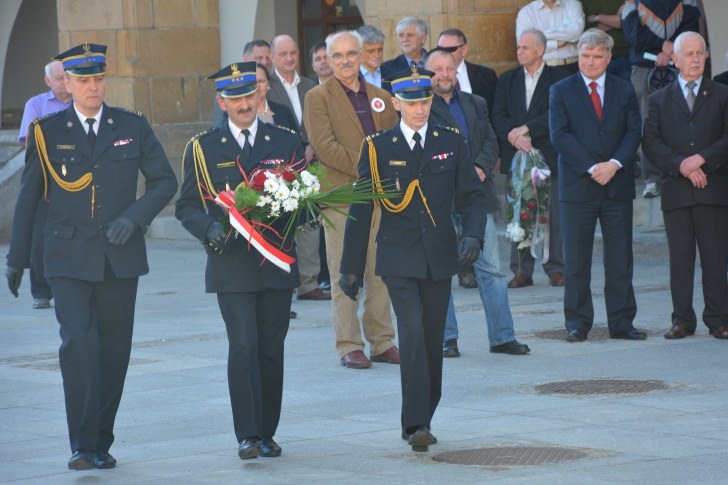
{"type": "Point", "coordinates": [257, 324]}
{"type": "Point", "coordinates": [96, 323]}
{"type": "Point", "coordinates": [705, 225]}
{"type": "Point", "coordinates": [421, 307]}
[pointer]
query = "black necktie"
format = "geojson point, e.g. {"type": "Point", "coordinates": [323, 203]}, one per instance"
{"type": "Point", "coordinates": [247, 147]}
{"type": "Point", "coordinates": [417, 147]}
{"type": "Point", "coordinates": [91, 132]}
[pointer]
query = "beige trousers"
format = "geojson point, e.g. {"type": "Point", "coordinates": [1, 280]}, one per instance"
{"type": "Point", "coordinates": [377, 318]}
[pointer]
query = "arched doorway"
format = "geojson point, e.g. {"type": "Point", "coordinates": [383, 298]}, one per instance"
{"type": "Point", "coordinates": [32, 42]}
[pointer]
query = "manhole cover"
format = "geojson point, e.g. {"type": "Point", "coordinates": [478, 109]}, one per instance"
{"type": "Point", "coordinates": [601, 386]}
{"type": "Point", "coordinates": [522, 455]}
{"type": "Point", "coordinates": [596, 333]}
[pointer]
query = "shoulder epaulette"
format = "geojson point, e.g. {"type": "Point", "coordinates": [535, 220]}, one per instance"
{"type": "Point", "coordinates": [450, 128]}
{"type": "Point", "coordinates": [129, 111]}
{"type": "Point", "coordinates": [284, 128]}
{"type": "Point", "coordinates": [205, 133]}
{"type": "Point", "coordinates": [42, 118]}
{"type": "Point", "coordinates": [374, 135]}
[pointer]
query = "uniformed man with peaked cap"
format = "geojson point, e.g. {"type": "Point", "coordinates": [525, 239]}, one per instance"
{"type": "Point", "coordinates": [253, 294]}
{"type": "Point", "coordinates": [85, 161]}
{"type": "Point", "coordinates": [417, 249]}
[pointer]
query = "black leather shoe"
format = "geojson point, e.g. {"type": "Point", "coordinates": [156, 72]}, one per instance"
{"type": "Point", "coordinates": [576, 336]}
{"type": "Point", "coordinates": [514, 347]}
{"type": "Point", "coordinates": [631, 334]}
{"type": "Point", "coordinates": [421, 439]}
{"type": "Point", "coordinates": [268, 448]}
{"type": "Point", "coordinates": [103, 459]}
{"type": "Point", "coordinates": [248, 448]}
{"type": "Point", "coordinates": [450, 348]}
{"type": "Point", "coordinates": [81, 460]}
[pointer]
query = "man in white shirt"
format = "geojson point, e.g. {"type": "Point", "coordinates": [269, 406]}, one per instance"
{"type": "Point", "coordinates": [562, 22]}
{"type": "Point", "coordinates": [288, 88]}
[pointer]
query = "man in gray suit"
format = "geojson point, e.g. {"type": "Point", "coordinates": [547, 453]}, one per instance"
{"type": "Point", "coordinates": [287, 87]}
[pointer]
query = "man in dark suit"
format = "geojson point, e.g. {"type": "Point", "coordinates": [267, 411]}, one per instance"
{"type": "Point", "coordinates": [521, 121]}
{"type": "Point", "coordinates": [723, 76]}
{"type": "Point", "coordinates": [417, 251]}
{"type": "Point", "coordinates": [412, 35]}
{"type": "Point", "coordinates": [85, 161]}
{"type": "Point", "coordinates": [253, 294]}
{"type": "Point", "coordinates": [287, 87]}
{"type": "Point", "coordinates": [472, 78]}
{"type": "Point", "coordinates": [686, 137]}
{"type": "Point", "coordinates": [595, 127]}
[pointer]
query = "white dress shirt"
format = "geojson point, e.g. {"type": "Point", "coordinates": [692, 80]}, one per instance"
{"type": "Point", "coordinates": [292, 91]}
{"type": "Point", "coordinates": [563, 22]}
{"type": "Point", "coordinates": [463, 79]}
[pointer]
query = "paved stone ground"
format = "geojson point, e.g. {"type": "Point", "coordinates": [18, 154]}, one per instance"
{"type": "Point", "coordinates": [342, 426]}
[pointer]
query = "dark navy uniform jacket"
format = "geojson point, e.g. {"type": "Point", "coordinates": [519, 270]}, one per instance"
{"type": "Point", "coordinates": [408, 242]}
{"type": "Point", "coordinates": [74, 234]}
{"type": "Point", "coordinates": [239, 268]}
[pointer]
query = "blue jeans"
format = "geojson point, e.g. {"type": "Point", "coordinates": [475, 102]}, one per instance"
{"type": "Point", "coordinates": [492, 285]}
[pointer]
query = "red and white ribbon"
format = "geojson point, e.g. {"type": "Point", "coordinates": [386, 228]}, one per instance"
{"type": "Point", "coordinates": [226, 199]}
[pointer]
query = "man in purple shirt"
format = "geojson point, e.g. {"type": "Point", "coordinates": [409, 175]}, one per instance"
{"type": "Point", "coordinates": [56, 99]}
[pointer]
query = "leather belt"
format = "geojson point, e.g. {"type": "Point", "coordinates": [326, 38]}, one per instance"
{"type": "Point", "coordinates": [562, 62]}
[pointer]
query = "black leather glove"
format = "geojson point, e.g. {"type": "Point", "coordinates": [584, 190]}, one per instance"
{"type": "Point", "coordinates": [216, 237]}
{"type": "Point", "coordinates": [468, 252]}
{"type": "Point", "coordinates": [14, 276]}
{"type": "Point", "coordinates": [121, 230]}
{"type": "Point", "coordinates": [350, 284]}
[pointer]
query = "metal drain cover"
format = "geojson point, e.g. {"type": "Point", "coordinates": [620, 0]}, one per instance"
{"type": "Point", "coordinates": [500, 456]}
{"type": "Point", "coordinates": [596, 333]}
{"type": "Point", "coordinates": [601, 386]}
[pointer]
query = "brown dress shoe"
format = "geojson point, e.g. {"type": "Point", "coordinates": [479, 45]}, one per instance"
{"type": "Point", "coordinates": [519, 281]}
{"type": "Point", "coordinates": [678, 331]}
{"type": "Point", "coordinates": [316, 294]}
{"type": "Point", "coordinates": [721, 332]}
{"type": "Point", "coordinates": [557, 279]}
{"type": "Point", "coordinates": [391, 356]}
{"type": "Point", "coordinates": [356, 360]}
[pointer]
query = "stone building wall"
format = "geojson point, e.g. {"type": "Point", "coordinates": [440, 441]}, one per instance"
{"type": "Point", "coordinates": [159, 54]}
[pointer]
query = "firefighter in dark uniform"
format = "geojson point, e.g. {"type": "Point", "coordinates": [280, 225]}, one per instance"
{"type": "Point", "coordinates": [254, 295]}
{"type": "Point", "coordinates": [417, 249]}
{"type": "Point", "coordinates": [85, 161]}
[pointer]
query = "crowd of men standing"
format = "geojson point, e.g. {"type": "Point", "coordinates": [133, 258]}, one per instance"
{"type": "Point", "coordinates": [438, 127]}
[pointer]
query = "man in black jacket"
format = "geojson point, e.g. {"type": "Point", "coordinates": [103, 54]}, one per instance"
{"type": "Point", "coordinates": [520, 119]}
{"type": "Point", "coordinates": [85, 161]}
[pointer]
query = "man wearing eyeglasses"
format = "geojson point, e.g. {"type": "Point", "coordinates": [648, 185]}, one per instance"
{"type": "Point", "coordinates": [339, 114]}
{"type": "Point", "coordinates": [472, 78]}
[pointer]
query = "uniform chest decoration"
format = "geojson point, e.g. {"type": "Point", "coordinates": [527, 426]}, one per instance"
{"type": "Point", "coordinates": [123, 142]}
{"type": "Point", "coordinates": [443, 156]}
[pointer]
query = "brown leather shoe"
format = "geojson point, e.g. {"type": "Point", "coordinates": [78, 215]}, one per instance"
{"type": "Point", "coordinates": [678, 331]}
{"type": "Point", "coordinates": [316, 294]}
{"type": "Point", "coordinates": [391, 356]}
{"type": "Point", "coordinates": [721, 332]}
{"type": "Point", "coordinates": [557, 279]}
{"type": "Point", "coordinates": [356, 360]}
{"type": "Point", "coordinates": [519, 281]}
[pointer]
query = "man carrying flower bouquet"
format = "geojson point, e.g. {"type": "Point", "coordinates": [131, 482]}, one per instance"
{"type": "Point", "coordinates": [417, 248]}
{"type": "Point", "coordinates": [253, 293]}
